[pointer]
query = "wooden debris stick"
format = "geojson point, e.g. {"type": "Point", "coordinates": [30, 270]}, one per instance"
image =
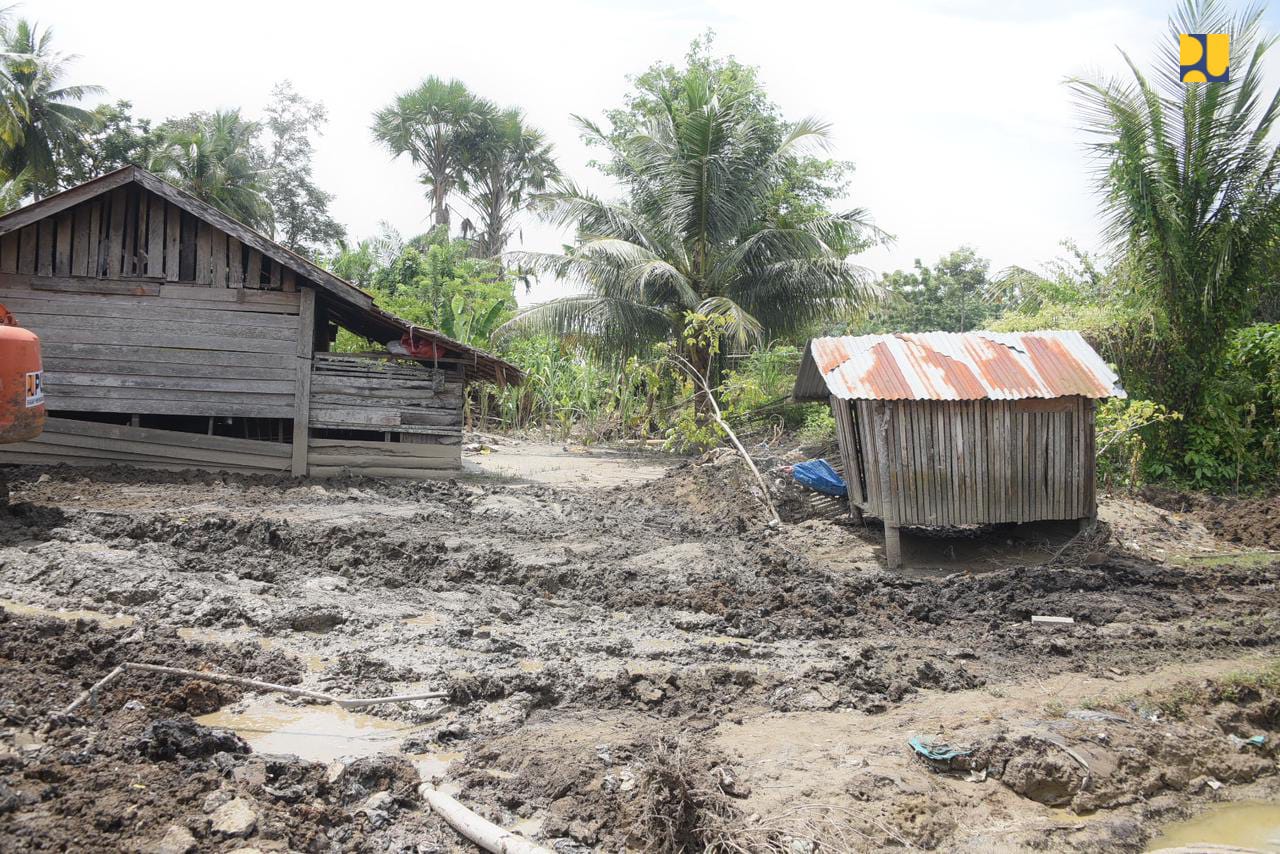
{"type": "Point", "coordinates": [228, 679]}
{"type": "Point", "coordinates": [480, 831]}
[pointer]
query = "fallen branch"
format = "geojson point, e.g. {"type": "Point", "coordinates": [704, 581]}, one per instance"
{"type": "Point", "coordinates": [481, 831]}
{"type": "Point", "coordinates": [718, 417]}
{"type": "Point", "coordinates": [344, 702]}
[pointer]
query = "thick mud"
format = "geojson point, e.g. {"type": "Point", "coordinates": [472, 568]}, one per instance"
{"type": "Point", "coordinates": [645, 664]}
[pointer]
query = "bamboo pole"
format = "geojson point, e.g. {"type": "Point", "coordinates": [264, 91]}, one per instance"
{"type": "Point", "coordinates": [226, 678]}
{"type": "Point", "coordinates": [481, 831]}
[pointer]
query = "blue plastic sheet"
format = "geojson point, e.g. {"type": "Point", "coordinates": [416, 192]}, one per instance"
{"type": "Point", "coordinates": [936, 751]}
{"type": "Point", "coordinates": [819, 475]}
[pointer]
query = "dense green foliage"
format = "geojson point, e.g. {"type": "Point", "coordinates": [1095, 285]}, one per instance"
{"type": "Point", "coordinates": [430, 280]}
{"type": "Point", "coordinates": [697, 232]}
{"type": "Point", "coordinates": [468, 147]}
{"type": "Point", "coordinates": [214, 157]}
{"type": "Point", "coordinates": [41, 125]}
{"type": "Point", "coordinates": [951, 296]}
{"type": "Point", "coordinates": [1191, 188]}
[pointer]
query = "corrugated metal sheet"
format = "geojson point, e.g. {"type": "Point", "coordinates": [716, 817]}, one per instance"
{"type": "Point", "coordinates": [955, 366]}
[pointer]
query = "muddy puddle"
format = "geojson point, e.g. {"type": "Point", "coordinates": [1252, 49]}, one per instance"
{"type": "Point", "coordinates": [317, 733]}
{"type": "Point", "coordinates": [1254, 826]}
{"type": "Point", "coordinates": [107, 621]}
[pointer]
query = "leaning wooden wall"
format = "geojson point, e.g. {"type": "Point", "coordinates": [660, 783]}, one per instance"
{"type": "Point", "coordinates": [417, 406]}
{"type": "Point", "coordinates": [132, 233]}
{"type": "Point", "coordinates": [160, 349]}
{"type": "Point", "coordinates": [975, 462]}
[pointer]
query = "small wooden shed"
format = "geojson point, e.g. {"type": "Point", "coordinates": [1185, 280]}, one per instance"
{"type": "Point", "coordinates": [948, 429]}
{"type": "Point", "coordinates": [175, 337]}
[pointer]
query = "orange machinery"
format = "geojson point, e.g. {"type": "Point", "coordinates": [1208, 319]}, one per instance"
{"type": "Point", "coordinates": [22, 411]}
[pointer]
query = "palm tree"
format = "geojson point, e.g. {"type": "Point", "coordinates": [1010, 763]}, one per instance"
{"type": "Point", "coordinates": [1191, 186]}
{"type": "Point", "coordinates": [437, 124]}
{"type": "Point", "coordinates": [40, 125]}
{"type": "Point", "coordinates": [511, 162]}
{"type": "Point", "coordinates": [695, 236]}
{"type": "Point", "coordinates": [216, 159]}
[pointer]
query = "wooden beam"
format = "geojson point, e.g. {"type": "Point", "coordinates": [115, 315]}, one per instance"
{"type": "Point", "coordinates": [302, 389]}
{"type": "Point", "coordinates": [889, 496]}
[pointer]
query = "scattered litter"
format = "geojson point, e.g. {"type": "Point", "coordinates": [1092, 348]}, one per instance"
{"type": "Point", "coordinates": [1039, 619]}
{"type": "Point", "coordinates": [937, 751]}
{"type": "Point", "coordinates": [976, 776]}
{"type": "Point", "coordinates": [1253, 741]}
{"type": "Point", "coordinates": [1213, 784]}
{"type": "Point", "coordinates": [1093, 715]}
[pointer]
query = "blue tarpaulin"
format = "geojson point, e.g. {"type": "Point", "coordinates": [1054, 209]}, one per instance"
{"type": "Point", "coordinates": [819, 475]}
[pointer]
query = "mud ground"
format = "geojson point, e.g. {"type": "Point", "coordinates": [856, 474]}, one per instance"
{"type": "Point", "coordinates": [631, 662]}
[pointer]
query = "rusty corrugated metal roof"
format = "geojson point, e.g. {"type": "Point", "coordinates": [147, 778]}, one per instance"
{"type": "Point", "coordinates": [955, 366]}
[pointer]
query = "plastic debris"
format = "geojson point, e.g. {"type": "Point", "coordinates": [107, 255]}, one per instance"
{"type": "Point", "coordinates": [937, 751]}
{"type": "Point", "coordinates": [1093, 715]}
{"type": "Point", "coordinates": [1040, 619]}
{"type": "Point", "coordinates": [1241, 743]}
{"type": "Point", "coordinates": [818, 475]}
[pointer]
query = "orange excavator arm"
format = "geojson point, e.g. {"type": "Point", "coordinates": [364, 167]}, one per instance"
{"type": "Point", "coordinates": [22, 410]}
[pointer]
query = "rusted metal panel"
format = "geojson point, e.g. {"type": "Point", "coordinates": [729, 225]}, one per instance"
{"type": "Point", "coordinates": [955, 366]}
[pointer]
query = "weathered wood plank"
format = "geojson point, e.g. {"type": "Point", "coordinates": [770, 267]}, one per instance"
{"type": "Point", "coordinates": [181, 453]}
{"type": "Point", "coordinates": [302, 392]}
{"type": "Point", "coordinates": [253, 275]}
{"type": "Point", "coordinates": [289, 281]}
{"type": "Point", "coordinates": [148, 308]}
{"type": "Point", "coordinates": [61, 378]}
{"type": "Point", "coordinates": [27, 239]}
{"type": "Point", "coordinates": [218, 253]}
{"type": "Point", "coordinates": [188, 342]}
{"type": "Point", "coordinates": [134, 225]}
{"type": "Point", "coordinates": [235, 263]}
{"type": "Point", "coordinates": [114, 246]}
{"type": "Point", "coordinates": [139, 329]}
{"type": "Point", "coordinates": [155, 236]}
{"type": "Point", "coordinates": [44, 247]}
{"type": "Point", "coordinates": [172, 242]}
{"type": "Point", "coordinates": [62, 244]}
{"type": "Point", "coordinates": [81, 352]}
{"type": "Point", "coordinates": [168, 437]}
{"type": "Point", "coordinates": [204, 253]}
{"type": "Point", "coordinates": [142, 366]}
{"type": "Point", "coordinates": [9, 252]}
{"type": "Point", "coordinates": [95, 237]}
{"type": "Point", "coordinates": [229, 406]}
{"type": "Point", "coordinates": [79, 243]}
{"type": "Point", "coordinates": [338, 417]}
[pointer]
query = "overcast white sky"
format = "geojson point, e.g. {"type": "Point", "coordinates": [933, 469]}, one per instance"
{"type": "Point", "coordinates": [954, 113]}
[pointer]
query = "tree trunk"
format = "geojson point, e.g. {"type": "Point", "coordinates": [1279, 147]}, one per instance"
{"type": "Point", "coordinates": [700, 359]}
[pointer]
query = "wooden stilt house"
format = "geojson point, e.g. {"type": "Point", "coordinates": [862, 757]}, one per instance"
{"type": "Point", "coordinates": [175, 337]}
{"type": "Point", "coordinates": [948, 429]}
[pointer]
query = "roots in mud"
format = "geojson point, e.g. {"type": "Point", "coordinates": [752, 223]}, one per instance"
{"type": "Point", "coordinates": [683, 800]}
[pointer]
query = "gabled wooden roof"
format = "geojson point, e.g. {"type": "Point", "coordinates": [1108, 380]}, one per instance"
{"type": "Point", "coordinates": [353, 305]}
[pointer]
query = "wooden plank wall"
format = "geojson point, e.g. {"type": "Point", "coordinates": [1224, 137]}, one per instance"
{"type": "Point", "coordinates": [90, 443]}
{"type": "Point", "coordinates": [132, 233]}
{"type": "Point", "coordinates": [335, 457]}
{"type": "Point", "coordinates": [974, 462]}
{"type": "Point", "coordinates": [357, 393]}
{"type": "Point", "coordinates": [179, 351]}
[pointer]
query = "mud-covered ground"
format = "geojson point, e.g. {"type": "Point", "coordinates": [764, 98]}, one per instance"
{"type": "Point", "coordinates": [628, 663]}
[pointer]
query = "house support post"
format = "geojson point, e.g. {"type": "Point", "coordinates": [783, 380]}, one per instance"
{"type": "Point", "coordinates": [302, 386]}
{"type": "Point", "coordinates": [888, 496]}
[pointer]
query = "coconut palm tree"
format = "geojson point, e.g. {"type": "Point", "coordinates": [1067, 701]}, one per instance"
{"type": "Point", "coordinates": [511, 162]}
{"type": "Point", "coordinates": [40, 125]}
{"type": "Point", "coordinates": [437, 124]}
{"type": "Point", "coordinates": [695, 235]}
{"type": "Point", "coordinates": [1190, 184]}
{"type": "Point", "coordinates": [215, 158]}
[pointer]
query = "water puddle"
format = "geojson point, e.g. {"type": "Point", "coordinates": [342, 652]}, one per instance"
{"type": "Point", "coordinates": [433, 765]}
{"type": "Point", "coordinates": [1246, 825]}
{"type": "Point", "coordinates": [318, 733]}
{"type": "Point", "coordinates": [107, 621]}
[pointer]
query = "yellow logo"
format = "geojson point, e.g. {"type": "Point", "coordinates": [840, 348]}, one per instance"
{"type": "Point", "coordinates": [1204, 57]}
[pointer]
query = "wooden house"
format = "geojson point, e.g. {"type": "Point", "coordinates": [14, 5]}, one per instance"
{"type": "Point", "coordinates": [175, 337]}
{"type": "Point", "coordinates": [948, 429]}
